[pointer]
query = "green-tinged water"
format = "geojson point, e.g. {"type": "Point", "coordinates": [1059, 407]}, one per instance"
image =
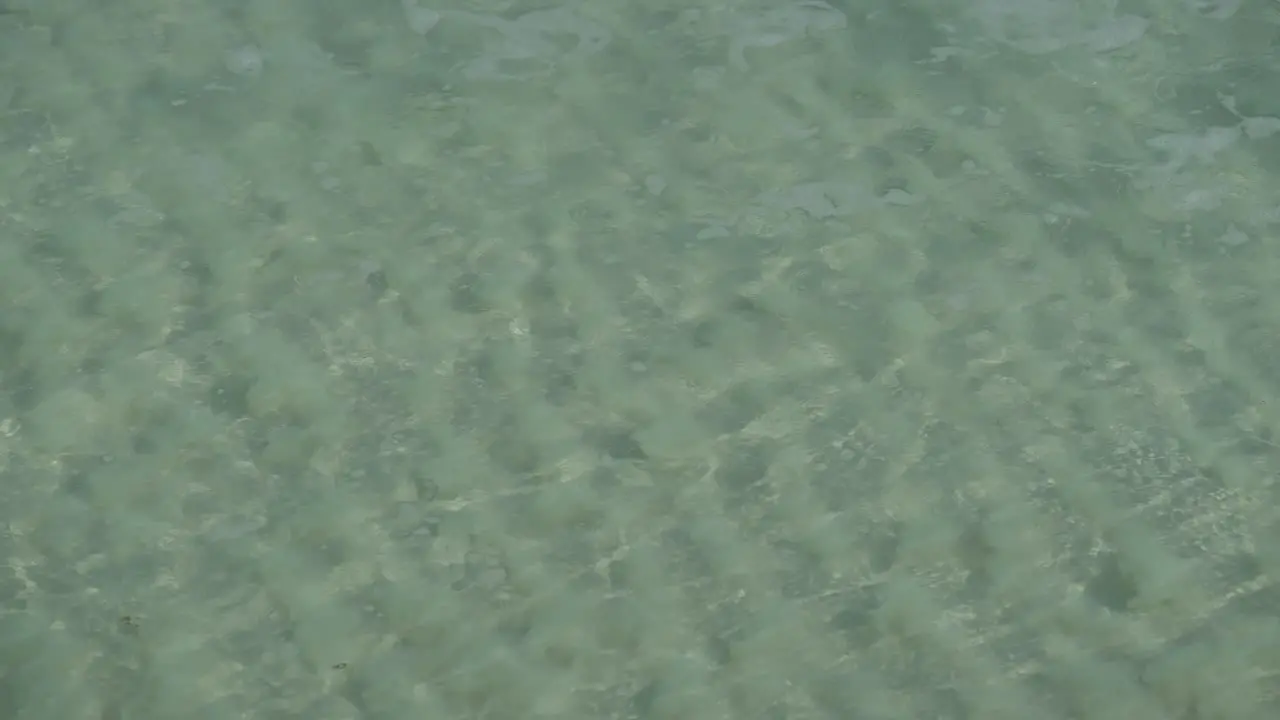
{"type": "Point", "coordinates": [640, 360]}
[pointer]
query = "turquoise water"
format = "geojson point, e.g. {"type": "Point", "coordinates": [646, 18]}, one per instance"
{"type": "Point", "coordinates": [611, 360]}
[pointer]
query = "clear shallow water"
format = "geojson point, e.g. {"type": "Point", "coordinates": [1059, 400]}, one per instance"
{"type": "Point", "coordinates": [739, 360]}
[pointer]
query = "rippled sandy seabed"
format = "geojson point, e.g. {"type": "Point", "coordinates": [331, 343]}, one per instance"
{"type": "Point", "coordinates": [640, 360]}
